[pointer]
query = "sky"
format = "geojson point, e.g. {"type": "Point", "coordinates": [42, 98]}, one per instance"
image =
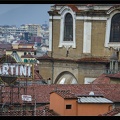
{"type": "Point", "coordinates": [18, 14]}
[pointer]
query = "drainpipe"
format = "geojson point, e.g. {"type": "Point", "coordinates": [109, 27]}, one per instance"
{"type": "Point", "coordinates": [52, 51]}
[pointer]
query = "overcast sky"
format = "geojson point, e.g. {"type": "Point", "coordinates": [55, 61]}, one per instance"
{"type": "Point", "coordinates": [17, 14]}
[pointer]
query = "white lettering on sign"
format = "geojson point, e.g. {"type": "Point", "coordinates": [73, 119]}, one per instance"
{"type": "Point", "coordinates": [5, 69]}
{"type": "Point", "coordinates": [26, 97]}
{"type": "Point", "coordinates": [15, 69]}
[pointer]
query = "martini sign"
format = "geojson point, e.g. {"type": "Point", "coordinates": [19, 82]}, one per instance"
{"type": "Point", "coordinates": [8, 69]}
{"type": "Point", "coordinates": [9, 72]}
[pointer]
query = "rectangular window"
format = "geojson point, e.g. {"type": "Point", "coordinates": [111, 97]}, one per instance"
{"type": "Point", "coordinates": [14, 51]}
{"type": "Point", "coordinates": [34, 52]}
{"type": "Point", "coordinates": [68, 106]}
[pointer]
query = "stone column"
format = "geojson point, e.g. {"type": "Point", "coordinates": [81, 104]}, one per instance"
{"type": "Point", "coordinates": [116, 66]}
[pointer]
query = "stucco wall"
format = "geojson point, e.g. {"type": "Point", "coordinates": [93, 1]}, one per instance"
{"type": "Point", "coordinates": [73, 110]}
{"type": "Point", "coordinates": [57, 103]}
{"type": "Point", "coordinates": [97, 40]}
{"type": "Point", "coordinates": [93, 109]}
{"type": "Point", "coordinates": [46, 69]}
{"type": "Point", "coordinates": [79, 71]}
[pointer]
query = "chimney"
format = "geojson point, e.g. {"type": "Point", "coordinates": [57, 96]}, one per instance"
{"type": "Point", "coordinates": [49, 81]}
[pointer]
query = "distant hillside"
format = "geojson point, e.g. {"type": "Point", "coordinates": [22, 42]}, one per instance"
{"type": "Point", "coordinates": [32, 13]}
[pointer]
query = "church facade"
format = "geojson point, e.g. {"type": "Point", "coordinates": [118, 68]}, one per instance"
{"type": "Point", "coordinates": [82, 39]}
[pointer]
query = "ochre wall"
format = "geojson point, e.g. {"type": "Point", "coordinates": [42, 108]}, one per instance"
{"type": "Point", "coordinates": [45, 69]}
{"type": "Point", "coordinates": [73, 110]}
{"type": "Point", "coordinates": [60, 52]}
{"type": "Point", "coordinates": [97, 40]}
{"type": "Point", "coordinates": [78, 71]}
{"type": "Point", "coordinates": [57, 103]}
{"type": "Point", "coordinates": [98, 31]}
{"type": "Point", "coordinates": [62, 67]}
{"type": "Point", "coordinates": [93, 109]}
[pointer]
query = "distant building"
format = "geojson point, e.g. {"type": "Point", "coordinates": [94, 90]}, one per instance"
{"type": "Point", "coordinates": [23, 48]}
{"type": "Point", "coordinates": [35, 29]}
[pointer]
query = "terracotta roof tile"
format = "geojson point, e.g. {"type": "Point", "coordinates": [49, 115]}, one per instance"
{"type": "Point", "coordinates": [8, 59]}
{"type": "Point", "coordinates": [42, 112]}
{"type": "Point", "coordinates": [93, 59]}
{"type": "Point", "coordinates": [105, 78]}
{"type": "Point", "coordinates": [112, 112]}
{"type": "Point", "coordinates": [65, 93]}
{"type": "Point", "coordinates": [86, 59]}
{"type": "Point", "coordinates": [37, 75]}
{"type": "Point", "coordinates": [23, 49]}
{"type": "Point", "coordinates": [27, 44]}
{"type": "Point", "coordinates": [102, 79]}
{"type": "Point", "coordinates": [116, 75]}
{"type": "Point", "coordinates": [45, 111]}
{"type": "Point", "coordinates": [5, 46]}
{"type": "Point", "coordinates": [73, 7]}
{"type": "Point", "coordinates": [28, 56]}
{"type": "Point", "coordinates": [109, 91]}
{"type": "Point", "coordinates": [44, 57]}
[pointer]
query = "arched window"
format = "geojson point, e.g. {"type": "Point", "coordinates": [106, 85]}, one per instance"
{"type": "Point", "coordinates": [68, 28]}
{"type": "Point", "coordinates": [66, 78]}
{"type": "Point", "coordinates": [115, 28]}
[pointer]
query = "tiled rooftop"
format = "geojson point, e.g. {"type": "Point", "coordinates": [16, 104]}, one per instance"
{"type": "Point", "coordinates": [23, 49]}
{"type": "Point", "coordinates": [93, 59]}
{"type": "Point", "coordinates": [42, 112]}
{"type": "Point", "coordinates": [105, 78]}
{"type": "Point", "coordinates": [85, 59]}
{"type": "Point", "coordinates": [7, 58]}
{"type": "Point", "coordinates": [102, 79]}
{"type": "Point", "coordinates": [45, 57]}
{"type": "Point", "coordinates": [28, 56]}
{"type": "Point", "coordinates": [109, 91]}
{"type": "Point", "coordinates": [112, 112]}
{"type": "Point", "coordinates": [73, 7]}
{"type": "Point", "coordinates": [117, 75]}
{"type": "Point", "coordinates": [5, 46]}
{"type": "Point", "coordinates": [65, 94]}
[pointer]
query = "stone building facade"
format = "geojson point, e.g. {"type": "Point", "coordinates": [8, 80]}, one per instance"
{"type": "Point", "coordinates": [81, 41]}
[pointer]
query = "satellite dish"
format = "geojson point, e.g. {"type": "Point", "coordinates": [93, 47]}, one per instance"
{"type": "Point", "coordinates": [91, 93]}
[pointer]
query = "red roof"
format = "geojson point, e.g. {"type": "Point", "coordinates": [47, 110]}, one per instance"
{"type": "Point", "coordinates": [44, 57]}
{"type": "Point", "coordinates": [112, 112]}
{"type": "Point", "coordinates": [109, 91]}
{"type": "Point", "coordinates": [102, 79]}
{"type": "Point", "coordinates": [65, 93]}
{"type": "Point", "coordinates": [116, 75]}
{"type": "Point", "coordinates": [105, 78]}
{"type": "Point", "coordinates": [26, 44]}
{"type": "Point", "coordinates": [73, 7]}
{"type": "Point", "coordinates": [23, 49]}
{"type": "Point", "coordinates": [5, 46]}
{"type": "Point", "coordinates": [93, 59]}
{"type": "Point", "coordinates": [86, 59]}
{"type": "Point", "coordinates": [44, 111]}
{"type": "Point", "coordinates": [28, 56]}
